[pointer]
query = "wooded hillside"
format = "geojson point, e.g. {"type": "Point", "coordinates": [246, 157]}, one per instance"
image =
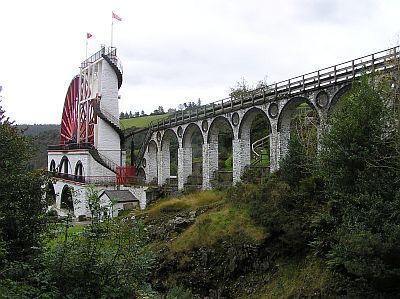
{"type": "Point", "coordinates": [41, 136]}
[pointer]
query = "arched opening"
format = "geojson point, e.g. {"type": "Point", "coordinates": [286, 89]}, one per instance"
{"type": "Point", "coordinates": [50, 194]}
{"type": "Point", "coordinates": [64, 167]}
{"type": "Point", "coordinates": [298, 124]}
{"type": "Point", "coordinates": [336, 99]}
{"type": "Point", "coordinates": [152, 162]}
{"type": "Point", "coordinates": [79, 174]}
{"type": "Point", "coordinates": [220, 138]}
{"type": "Point", "coordinates": [141, 173]}
{"type": "Point", "coordinates": [254, 135]}
{"type": "Point", "coordinates": [192, 144]}
{"type": "Point", "coordinates": [52, 167]}
{"type": "Point", "coordinates": [67, 202]}
{"type": "Point", "coordinates": [169, 150]}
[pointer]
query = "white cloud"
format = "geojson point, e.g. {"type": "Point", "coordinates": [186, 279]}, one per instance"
{"type": "Point", "coordinates": [179, 50]}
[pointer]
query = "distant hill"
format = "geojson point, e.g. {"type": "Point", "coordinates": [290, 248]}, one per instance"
{"type": "Point", "coordinates": [41, 136]}
{"type": "Point", "coordinates": [36, 129]}
{"type": "Point", "coordinates": [45, 134]}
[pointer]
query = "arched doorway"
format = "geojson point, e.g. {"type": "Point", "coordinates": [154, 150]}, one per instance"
{"type": "Point", "coordinates": [67, 202]}
{"type": "Point", "coordinates": [169, 150]}
{"type": "Point", "coordinates": [152, 163]}
{"type": "Point", "coordinates": [79, 174]}
{"type": "Point", "coordinates": [141, 173]}
{"type": "Point", "coordinates": [299, 123]}
{"type": "Point", "coordinates": [64, 167]}
{"type": "Point", "coordinates": [254, 136]}
{"type": "Point", "coordinates": [220, 136]}
{"type": "Point", "coordinates": [335, 102]}
{"type": "Point", "coordinates": [192, 146]}
{"type": "Point", "coordinates": [50, 194]}
{"type": "Point", "coordinates": [52, 167]}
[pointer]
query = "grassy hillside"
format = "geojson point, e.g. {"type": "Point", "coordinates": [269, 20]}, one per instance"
{"type": "Point", "coordinates": [142, 121]}
{"type": "Point", "coordinates": [207, 245]}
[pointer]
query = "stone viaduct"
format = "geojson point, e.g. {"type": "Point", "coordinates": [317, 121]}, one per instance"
{"type": "Point", "coordinates": [320, 90]}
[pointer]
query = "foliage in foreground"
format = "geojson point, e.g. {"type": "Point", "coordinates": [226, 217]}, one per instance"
{"type": "Point", "coordinates": [22, 218]}
{"type": "Point", "coordinates": [359, 228]}
{"type": "Point", "coordinates": [344, 206]}
{"type": "Point", "coordinates": [336, 217]}
{"type": "Point", "coordinates": [21, 205]}
{"type": "Point", "coordinates": [106, 260]}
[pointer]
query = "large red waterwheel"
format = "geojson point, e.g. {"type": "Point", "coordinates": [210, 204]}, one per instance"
{"type": "Point", "coordinates": [70, 115]}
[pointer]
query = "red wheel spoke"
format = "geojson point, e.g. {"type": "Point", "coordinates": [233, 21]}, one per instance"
{"type": "Point", "coordinates": [69, 121]}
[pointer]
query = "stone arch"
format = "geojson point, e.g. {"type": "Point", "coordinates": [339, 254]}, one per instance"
{"type": "Point", "coordinates": [290, 110]}
{"type": "Point", "coordinates": [168, 135]}
{"type": "Point", "coordinates": [169, 157]}
{"type": "Point", "coordinates": [152, 162]}
{"type": "Point", "coordinates": [67, 201]}
{"type": "Point", "coordinates": [65, 165]}
{"type": "Point", "coordinates": [52, 167]}
{"type": "Point", "coordinates": [79, 171]}
{"type": "Point", "coordinates": [191, 157]}
{"type": "Point", "coordinates": [220, 158]}
{"type": "Point", "coordinates": [214, 129]}
{"type": "Point", "coordinates": [249, 117]}
{"type": "Point", "coordinates": [247, 136]}
{"type": "Point", "coordinates": [335, 99]}
{"type": "Point", "coordinates": [153, 144]}
{"type": "Point", "coordinates": [190, 130]}
{"type": "Point", "coordinates": [141, 173]}
{"type": "Point", "coordinates": [50, 193]}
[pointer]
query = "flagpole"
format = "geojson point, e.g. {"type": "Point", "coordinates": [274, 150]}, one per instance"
{"type": "Point", "coordinates": [86, 47]}
{"type": "Point", "coordinates": [78, 128]}
{"type": "Point", "coordinates": [112, 29]}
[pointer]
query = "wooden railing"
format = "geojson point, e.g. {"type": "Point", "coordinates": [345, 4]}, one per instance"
{"type": "Point", "coordinates": [382, 61]}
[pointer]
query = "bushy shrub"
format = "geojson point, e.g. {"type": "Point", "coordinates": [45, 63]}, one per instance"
{"type": "Point", "coordinates": [179, 293]}
{"type": "Point", "coordinates": [358, 230]}
{"type": "Point", "coordinates": [106, 260]}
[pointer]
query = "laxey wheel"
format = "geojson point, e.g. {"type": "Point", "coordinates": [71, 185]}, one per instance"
{"type": "Point", "coordinates": [69, 121]}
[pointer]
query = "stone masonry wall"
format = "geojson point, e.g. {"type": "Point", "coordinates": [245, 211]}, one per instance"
{"type": "Point", "coordinates": [279, 119]}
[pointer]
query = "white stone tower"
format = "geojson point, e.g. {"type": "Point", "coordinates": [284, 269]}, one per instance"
{"type": "Point", "coordinates": [90, 139]}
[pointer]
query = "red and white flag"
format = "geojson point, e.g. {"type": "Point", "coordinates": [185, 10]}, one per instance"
{"type": "Point", "coordinates": [88, 35]}
{"type": "Point", "coordinates": [115, 16]}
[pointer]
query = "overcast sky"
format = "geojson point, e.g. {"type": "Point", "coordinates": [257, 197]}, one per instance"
{"type": "Point", "coordinates": [179, 50]}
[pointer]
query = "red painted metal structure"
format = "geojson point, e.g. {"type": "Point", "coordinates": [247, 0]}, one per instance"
{"type": "Point", "coordinates": [125, 173]}
{"type": "Point", "coordinates": [70, 115]}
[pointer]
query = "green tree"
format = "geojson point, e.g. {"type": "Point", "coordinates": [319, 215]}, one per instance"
{"type": "Point", "coordinates": [107, 259]}
{"type": "Point", "coordinates": [21, 204]}
{"type": "Point", "coordinates": [360, 146]}
{"type": "Point", "coordinates": [21, 218]}
{"type": "Point", "coordinates": [359, 228]}
{"type": "Point", "coordinates": [295, 166]}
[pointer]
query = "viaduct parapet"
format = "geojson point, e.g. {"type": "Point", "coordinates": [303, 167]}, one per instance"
{"type": "Point", "coordinates": [320, 90]}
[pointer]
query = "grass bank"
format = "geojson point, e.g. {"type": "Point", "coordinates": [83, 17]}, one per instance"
{"type": "Point", "coordinates": [218, 224]}
{"type": "Point", "coordinates": [142, 121]}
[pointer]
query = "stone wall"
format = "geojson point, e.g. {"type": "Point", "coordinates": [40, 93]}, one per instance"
{"type": "Point", "coordinates": [278, 114]}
